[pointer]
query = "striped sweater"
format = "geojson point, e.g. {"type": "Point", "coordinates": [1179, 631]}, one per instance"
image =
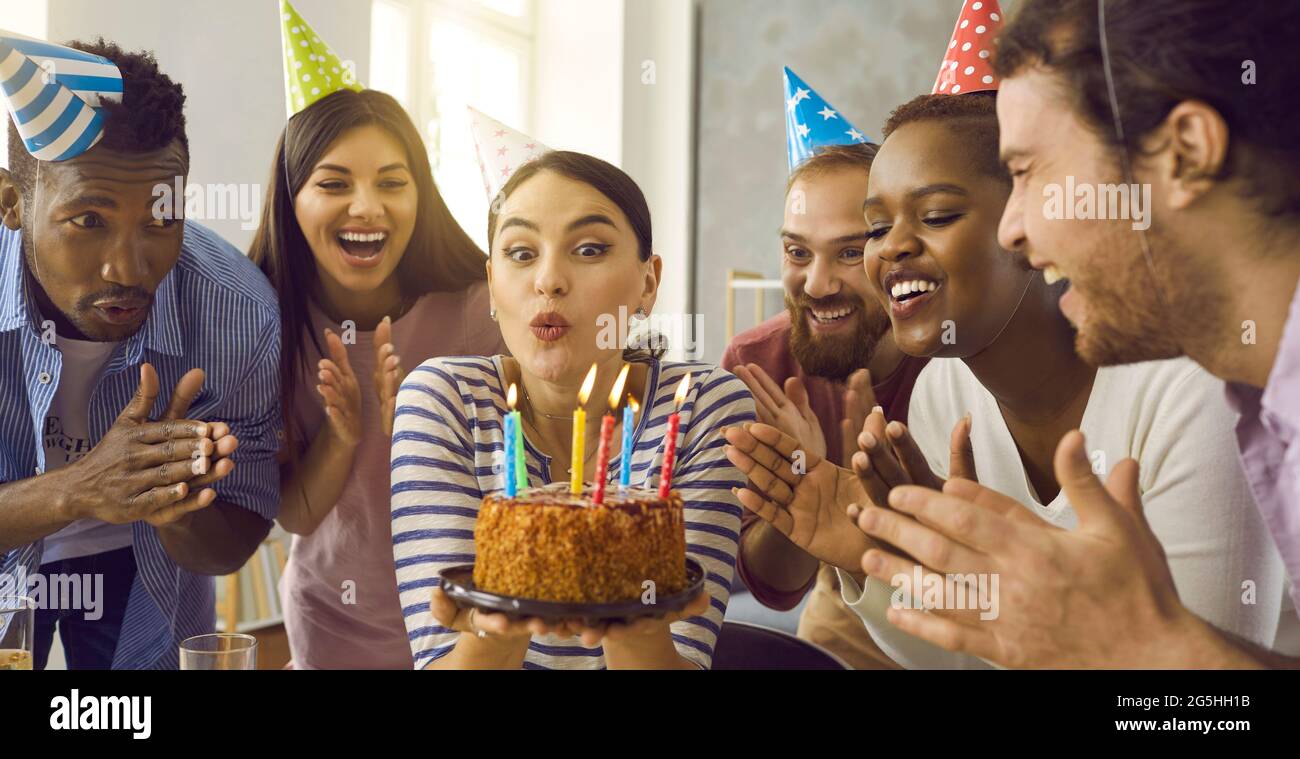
{"type": "Point", "coordinates": [447, 442]}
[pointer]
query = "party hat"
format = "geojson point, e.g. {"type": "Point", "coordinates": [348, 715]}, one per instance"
{"type": "Point", "coordinates": [54, 95]}
{"type": "Point", "coordinates": [501, 150]}
{"type": "Point", "coordinates": [810, 122]}
{"type": "Point", "coordinates": [966, 64]}
{"type": "Point", "coordinates": [311, 68]}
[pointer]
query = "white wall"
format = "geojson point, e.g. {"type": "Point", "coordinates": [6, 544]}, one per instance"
{"type": "Point", "coordinates": [227, 57]}
{"type": "Point", "coordinates": [593, 92]}
{"type": "Point", "coordinates": [588, 89]}
{"type": "Point", "coordinates": [27, 18]}
{"type": "Point", "coordinates": [658, 131]}
{"type": "Point", "coordinates": [577, 88]}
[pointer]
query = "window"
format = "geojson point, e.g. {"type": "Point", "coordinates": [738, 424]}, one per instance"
{"type": "Point", "coordinates": [439, 56]}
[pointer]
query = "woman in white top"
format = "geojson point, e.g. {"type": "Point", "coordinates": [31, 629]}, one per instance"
{"type": "Point", "coordinates": [935, 199]}
{"type": "Point", "coordinates": [570, 242]}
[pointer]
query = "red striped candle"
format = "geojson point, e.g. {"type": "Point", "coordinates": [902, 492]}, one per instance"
{"type": "Point", "coordinates": [670, 441]}
{"type": "Point", "coordinates": [602, 457]}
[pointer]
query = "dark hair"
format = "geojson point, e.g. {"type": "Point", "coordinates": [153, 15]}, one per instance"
{"type": "Point", "coordinates": [149, 117]}
{"type": "Point", "coordinates": [610, 181]}
{"type": "Point", "coordinates": [606, 178]}
{"type": "Point", "coordinates": [973, 116]}
{"type": "Point", "coordinates": [439, 257]}
{"type": "Point", "coordinates": [830, 157]}
{"type": "Point", "coordinates": [1163, 52]}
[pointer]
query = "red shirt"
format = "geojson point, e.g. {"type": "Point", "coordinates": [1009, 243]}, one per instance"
{"type": "Point", "coordinates": [768, 345]}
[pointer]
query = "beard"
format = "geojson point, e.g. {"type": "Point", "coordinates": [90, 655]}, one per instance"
{"type": "Point", "coordinates": [835, 356]}
{"type": "Point", "coordinates": [1137, 312]}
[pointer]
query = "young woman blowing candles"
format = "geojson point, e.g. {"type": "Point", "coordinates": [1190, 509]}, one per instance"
{"type": "Point", "coordinates": [570, 240]}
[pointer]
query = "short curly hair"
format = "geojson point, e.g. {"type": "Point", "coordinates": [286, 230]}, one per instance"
{"type": "Point", "coordinates": [150, 116]}
{"type": "Point", "coordinates": [973, 116]}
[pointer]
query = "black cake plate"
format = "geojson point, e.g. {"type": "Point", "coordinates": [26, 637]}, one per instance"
{"type": "Point", "coordinates": [458, 582]}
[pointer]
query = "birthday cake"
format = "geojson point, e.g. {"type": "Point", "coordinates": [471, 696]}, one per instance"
{"type": "Point", "coordinates": [547, 544]}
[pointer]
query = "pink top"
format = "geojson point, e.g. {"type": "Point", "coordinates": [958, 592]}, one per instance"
{"type": "Point", "coordinates": [339, 590]}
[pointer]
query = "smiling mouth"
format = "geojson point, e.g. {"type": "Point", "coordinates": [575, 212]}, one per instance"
{"type": "Point", "coordinates": [363, 246]}
{"type": "Point", "coordinates": [909, 289]}
{"type": "Point", "coordinates": [830, 316]}
{"type": "Point", "coordinates": [1052, 275]}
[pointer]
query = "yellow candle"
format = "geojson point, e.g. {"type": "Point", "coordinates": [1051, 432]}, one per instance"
{"type": "Point", "coordinates": [580, 432]}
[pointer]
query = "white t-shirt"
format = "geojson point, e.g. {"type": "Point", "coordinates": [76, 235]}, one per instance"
{"type": "Point", "coordinates": [1172, 417]}
{"type": "Point", "coordinates": [67, 439]}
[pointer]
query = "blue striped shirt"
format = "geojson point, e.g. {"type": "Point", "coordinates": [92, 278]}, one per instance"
{"type": "Point", "coordinates": [447, 440]}
{"type": "Point", "coordinates": [214, 311]}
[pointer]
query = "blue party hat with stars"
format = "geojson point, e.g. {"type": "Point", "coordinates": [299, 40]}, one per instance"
{"type": "Point", "coordinates": [811, 122]}
{"type": "Point", "coordinates": [54, 94]}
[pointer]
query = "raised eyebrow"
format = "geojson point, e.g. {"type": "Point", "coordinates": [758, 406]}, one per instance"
{"type": "Point", "coordinates": [515, 221]}
{"type": "Point", "coordinates": [594, 218]}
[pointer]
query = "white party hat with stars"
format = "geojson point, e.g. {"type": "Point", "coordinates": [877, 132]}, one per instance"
{"type": "Point", "coordinates": [501, 150]}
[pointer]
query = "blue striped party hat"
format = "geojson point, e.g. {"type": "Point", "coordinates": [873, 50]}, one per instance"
{"type": "Point", "coordinates": [810, 122]}
{"type": "Point", "coordinates": [53, 94]}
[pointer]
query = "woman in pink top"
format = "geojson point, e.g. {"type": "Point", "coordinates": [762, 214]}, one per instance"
{"type": "Point", "coordinates": [373, 274]}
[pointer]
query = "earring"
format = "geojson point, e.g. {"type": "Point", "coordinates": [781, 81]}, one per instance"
{"type": "Point", "coordinates": [492, 313]}
{"type": "Point", "coordinates": [640, 314]}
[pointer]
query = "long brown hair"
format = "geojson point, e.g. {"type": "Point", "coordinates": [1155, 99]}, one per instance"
{"type": "Point", "coordinates": [439, 257]}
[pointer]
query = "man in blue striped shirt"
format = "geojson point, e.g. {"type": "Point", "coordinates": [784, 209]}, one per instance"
{"type": "Point", "coordinates": [139, 408]}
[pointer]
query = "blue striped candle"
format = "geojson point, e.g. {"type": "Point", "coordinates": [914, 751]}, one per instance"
{"type": "Point", "coordinates": [625, 464]}
{"type": "Point", "coordinates": [508, 448]}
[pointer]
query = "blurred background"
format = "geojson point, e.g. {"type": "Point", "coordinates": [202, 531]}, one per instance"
{"type": "Point", "coordinates": [684, 95]}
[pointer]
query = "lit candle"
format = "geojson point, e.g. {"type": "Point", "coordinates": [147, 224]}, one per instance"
{"type": "Point", "coordinates": [521, 463]}
{"type": "Point", "coordinates": [511, 433]}
{"type": "Point", "coordinates": [670, 441]}
{"type": "Point", "coordinates": [606, 433]}
{"type": "Point", "coordinates": [580, 432]}
{"type": "Point", "coordinates": [629, 424]}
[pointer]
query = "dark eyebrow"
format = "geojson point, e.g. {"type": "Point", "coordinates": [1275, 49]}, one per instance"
{"type": "Point", "coordinates": [98, 201]}
{"type": "Point", "coordinates": [595, 218]}
{"type": "Point", "coordinates": [515, 221]}
{"type": "Point", "coordinates": [399, 166]}
{"type": "Point", "coordinates": [855, 237]}
{"type": "Point", "coordinates": [333, 167]}
{"type": "Point", "coordinates": [921, 192]}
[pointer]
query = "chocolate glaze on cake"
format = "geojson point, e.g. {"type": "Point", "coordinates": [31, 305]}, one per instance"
{"type": "Point", "coordinates": [550, 545]}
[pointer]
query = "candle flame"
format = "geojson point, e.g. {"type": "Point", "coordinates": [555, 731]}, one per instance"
{"type": "Point", "coordinates": [680, 396]}
{"type": "Point", "coordinates": [631, 402]}
{"type": "Point", "coordinates": [617, 391]}
{"type": "Point", "coordinates": [587, 384]}
{"type": "Point", "coordinates": [512, 396]}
